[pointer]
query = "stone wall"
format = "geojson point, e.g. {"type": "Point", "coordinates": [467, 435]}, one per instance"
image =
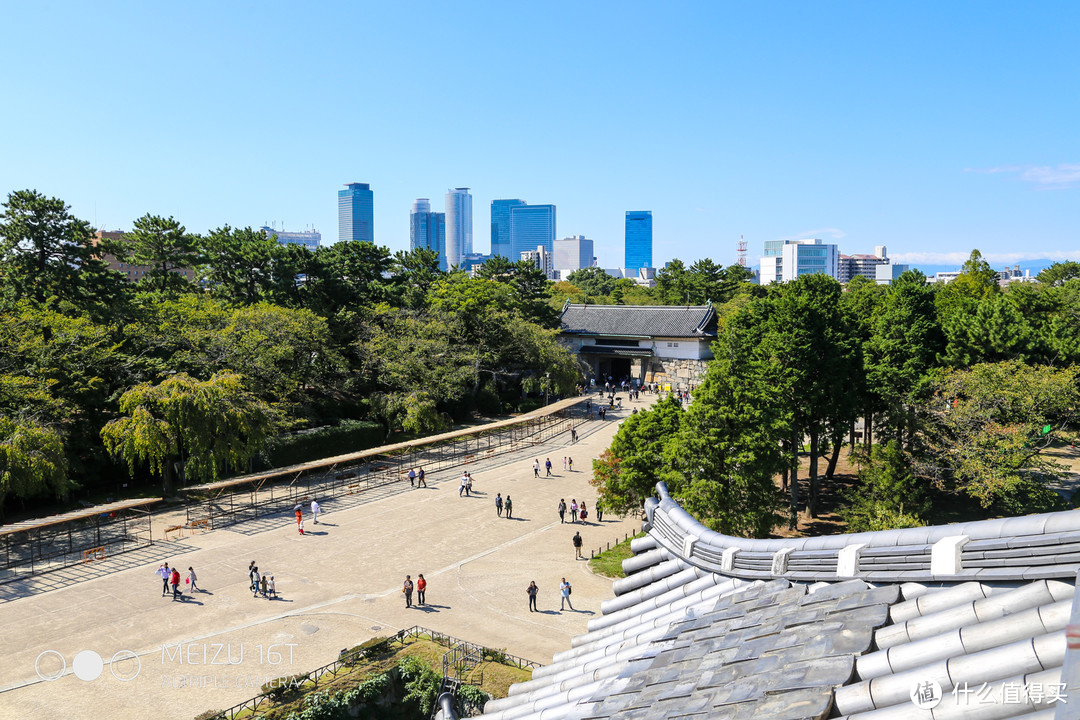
{"type": "Point", "coordinates": [681, 373]}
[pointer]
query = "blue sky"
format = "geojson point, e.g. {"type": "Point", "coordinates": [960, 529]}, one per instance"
{"type": "Point", "coordinates": [931, 128]}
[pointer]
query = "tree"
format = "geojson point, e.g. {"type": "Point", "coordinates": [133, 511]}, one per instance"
{"type": "Point", "coordinates": [976, 281]}
{"type": "Point", "coordinates": [238, 264]}
{"type": "Point", "coordinates": [165, 246]}
{"type": "Point", "coordinates": [209, 427]}
{"type": "Point", "coordinates": [674, 284]}
{"type": "Point", "coordinates": [32, 460]}
{"type": "Point", "coordinates": [628, 472]}
{"type": "Point", "coordinates": [1059, 273]}
{"type": "Point", "coordinates": [592, 281]}
{"type": "Point", "coordinates": [888, 494]}
{"type": "Point", "coordinates": [991, 425]}
{"type": "Point", "coordinates": [413, 274]}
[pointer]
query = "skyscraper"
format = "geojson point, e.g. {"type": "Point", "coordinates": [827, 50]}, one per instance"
{"type": "Point", "coordinates": [458, 225]}
{"type": "Point", "coordinates": [530, 227]}
{"type": "Point", "coordinates": [500, 227]}
{"type": "Point", "coordinates": [572, 253]}
{"type": "Point", "coordinates": [638, 239]}
{"type": "Point", "coordinates": [428, 229]}
{"type": "Point", "coordinates": [356, 213]}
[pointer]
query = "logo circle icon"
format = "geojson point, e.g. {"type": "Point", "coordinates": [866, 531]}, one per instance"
{"type": "Point", "coordinates": [49, 677]}
{"type": "Point", "coordinates": [87, 665]}
{"type": "Point", "coordinates": [926, 694]}
{"type": "Point", "coordinates": [120, 660]}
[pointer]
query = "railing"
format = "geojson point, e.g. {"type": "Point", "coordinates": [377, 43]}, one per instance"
{"type": "Point", "coordinates": [310, 681]}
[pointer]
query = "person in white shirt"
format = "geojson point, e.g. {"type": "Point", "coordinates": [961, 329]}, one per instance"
{"type": "Point", "coordinates": [315, 511]}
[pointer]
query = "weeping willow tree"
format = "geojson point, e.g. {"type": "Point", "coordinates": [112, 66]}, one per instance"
{"type": "Point", "coordinates": [208, 426]}
{"type": "Point", "coordinates": [32, 460]}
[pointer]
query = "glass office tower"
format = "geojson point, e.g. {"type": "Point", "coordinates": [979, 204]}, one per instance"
{"type": "Point", "coordinates": [500, 227]}
{"type": "Point", "coordinates": [458, 225]}
{"type": "Point", "coordinates": [428, 229]}
{"type": "Point", "coordinates": [356, 213]}
{"type": "Point", "coordinates": [530, 227]}
{"type": "Point", "coordinates": [638, 239]}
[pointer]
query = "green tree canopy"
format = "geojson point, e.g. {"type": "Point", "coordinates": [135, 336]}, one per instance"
{"type": "Point", "coordinates": [592, 281]}
{"type": "Point", "coordinates": [32, 461]}
{"type": "Point", "coordinates": [166, 247]}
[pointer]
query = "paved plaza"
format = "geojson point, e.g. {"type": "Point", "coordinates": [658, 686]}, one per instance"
{"type": "Point", "coordinates": [339, 584]}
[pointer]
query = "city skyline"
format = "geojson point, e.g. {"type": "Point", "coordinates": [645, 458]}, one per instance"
{"type": "Point", "coordinates": [933, 130]}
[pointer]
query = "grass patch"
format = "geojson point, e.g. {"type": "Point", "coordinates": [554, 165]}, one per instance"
{"type": "Point", "coordinates": [609, 562]}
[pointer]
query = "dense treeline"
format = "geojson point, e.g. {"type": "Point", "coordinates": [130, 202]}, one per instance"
{"type": "Point", "coordinates": [175, 377]}
{"type": "Point", "coordinates": [961, 389]}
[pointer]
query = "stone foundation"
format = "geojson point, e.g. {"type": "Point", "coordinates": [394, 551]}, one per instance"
{"type": "Point", "coordinates": [678, 372]}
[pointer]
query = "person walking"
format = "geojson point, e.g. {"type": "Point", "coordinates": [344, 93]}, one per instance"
{"type": "Point", "coordinates": [273, 590]}
{"type": "Point", "coordinates": [464, 484]}
{"type": "Point", "coordinates": [573, 510]}
{"type": "Point", "coordinates": [570, 463]}
{"type": "Point", "coordinates": [584, 512]}
{"type": "Point", "coordinates": [191, 578]}
{"type": "Point", "coordinates": [498, 504]}
{"type": "Point", "coordinates": [599, 511]}
{"type": "Point", "coordinates": [468, 484]}
{"type": "Point", "coordinates": [564, 591]}
{"type": "Point", "coordinates": [564, 463]}
{"type": "Point", "coordinates": [315, 511]}
{"type": "Point", "coordinates": [573, 433]}
{"type": "Point", "coordinates": [547, 465]}
{"type": "Point", "coordinates": [164, 573]}
{"type": "Point", "coordinates": [577, 545]}
{"type": "Point", "coordinates": [532, 590]}
{"type": "Point", "coordinates": [407, 589]}
{"type": "Point", "coordinates": [412, 477]}
{"type": "Point", "coordinates": [300, 527]}
{"type": "Point", "coordinates": [175, 580]}
{"type": "Point", "coordinates": [264, 586]}
{"type": "Point", "coordinates": [421, 587]}
{"type": "Point", "coordinates": [536, 467]}
{"type": "Point", "coordinates": [562, 511]}
{"type": "Point", "coordinates": [509, 507]}
{"type": "Point", "coordinates": [299, 516]}
{"type": "Point", "coordinates": [251, 577]}
{"type": "Point", "coordinates": [256, 579]}
{"type": "Point", "coordinates": [420, 478]}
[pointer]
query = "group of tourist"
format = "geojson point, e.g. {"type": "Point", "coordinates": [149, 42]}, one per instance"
{"type": "Point", "coordinates": [564, 595]}
{"type": "Point", "coordinates": [421, 589]}
{"type": "Point", "coordinates": [171, 577]}
{"type": "Point", "coordinates": [261, 583]}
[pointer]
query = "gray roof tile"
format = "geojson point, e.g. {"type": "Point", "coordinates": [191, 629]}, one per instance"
{"type": "Point", "coordinates": [639, 320]}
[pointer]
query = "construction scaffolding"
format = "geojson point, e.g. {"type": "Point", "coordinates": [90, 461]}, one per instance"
{"type": "Point", "coordinates": [33, 547]}
{"type": "Point", "coordinates": [276, 491]}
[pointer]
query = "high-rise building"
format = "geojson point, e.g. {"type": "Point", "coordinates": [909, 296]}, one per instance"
{"type": "Point", "coordinates": [458, 225]}
{"type": "Point", "coordinates": [785, 260]}
{"type": "Point", "coordinates": [540, 258]}
{"type": "Point", "coordinates": [428, 229]}
{"type": "Point", "coordinates": [311, 240]}
{"type": "Point", "coordinates": [862, 264]}
{"type": "Point", "coordinates": [356, 213]}
{"type": "Point", "coordinates": [572, 253]}
{"type": "Point", "coordinates": [500, 227]}
{"type": "Point", "coordinates": [638, 239]}
{"type": "Point", "coordinates": [530, 227]}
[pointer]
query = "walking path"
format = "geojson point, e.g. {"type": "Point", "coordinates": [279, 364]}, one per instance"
{"type": "Point", "coordinates": [339, 585]}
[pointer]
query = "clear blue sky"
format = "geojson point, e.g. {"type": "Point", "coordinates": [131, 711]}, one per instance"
{"type": "Point", "coordinates": [929, 127]}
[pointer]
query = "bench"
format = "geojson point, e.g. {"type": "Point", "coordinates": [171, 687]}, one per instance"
{"type": "Point", "coordinates": [97, 553]}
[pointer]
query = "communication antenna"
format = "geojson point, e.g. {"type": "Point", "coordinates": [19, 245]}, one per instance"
{"type": "Point", "coordinates": [741, 251]}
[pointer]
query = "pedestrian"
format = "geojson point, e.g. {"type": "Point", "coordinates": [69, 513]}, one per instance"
{"type": "Point", "coordinates": [300, 527]}
{"type": "Point", "coordinates": [164, 573]}
{"type": "Point", "coordinates": [536, 467]}
{"type": "Point", "coordinates": [498, 504]}
{"type": "Point", "coordinates": [412, 477]}
{"type": "Point", "coordinates": [562, 511]}
{"type": "Point", "coordinates": [577, 545]}
{"type": "Point", "coordinates": [315, 511]}
{"type": "Point", "coordinates": [532, 590]}
{"type": "Point", "coordinates": [584, 512]}
{"type": "Point", "coordinates": [464, 484]}
{"type": "Point", "coordinates": [509, 507]}
{"type": "Point", "coordinates": [420, 478]}
{"type": "Point", "coordinates": [264, 586]}
{"type": "Point", "coordinates": [570, 463]}
{"type": "Point", "coordinates": [251, 577]}
{"type": "Point", "coordinates": [573, 510]}
{"type": "Point", "coordinates": [573, 434]}
{"type": "Point", "coordinates": [273, 589]}
{"type": "Point", "coordinates": [299, 515]}
{"type": "Point", "coordinates": [255, 581]}
{"type": "Point", "coordinates": [468, 484]}
{"type": "Point", "coordinates": [564, 591]}
{"type": "Point", "coordinates": [175, 580]}
{"type": "Point", "coordinates": [191, 578]}
{"type": "Point", "coordinates": [407, 589]}
{"type": "Point", "coordinates": [421, 587]}
{"type": "Point", "coordinates": [547, 464]}
{"type": "Point", "coordinates": [564, 463]}
{"type": "Point", "coordinates": [599, 511]}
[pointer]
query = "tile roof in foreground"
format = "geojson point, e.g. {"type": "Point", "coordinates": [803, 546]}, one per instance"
{"type": "Point", "coordinates": [853, 626]}
{"type": "Point", "coordinates": [639, 320]}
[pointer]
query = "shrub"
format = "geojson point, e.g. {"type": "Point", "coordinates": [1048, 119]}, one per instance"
{"type": "Point", "coordinates": [281, 686]}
